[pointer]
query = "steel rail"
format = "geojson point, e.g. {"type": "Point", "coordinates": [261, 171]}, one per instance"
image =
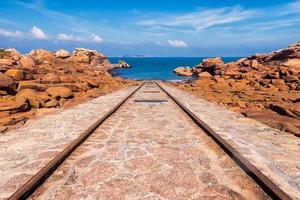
{"type": "Point", "coordinates": [273, 190]}
{"type": "Point", "coordinates": [39, 178]}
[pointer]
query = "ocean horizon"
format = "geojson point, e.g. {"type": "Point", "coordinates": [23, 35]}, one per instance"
{"type": "Point", "coordinates": [158, 68]}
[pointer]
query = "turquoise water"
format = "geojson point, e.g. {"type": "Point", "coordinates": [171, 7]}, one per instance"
{"type": "Point", "coordinates": [151, 68]}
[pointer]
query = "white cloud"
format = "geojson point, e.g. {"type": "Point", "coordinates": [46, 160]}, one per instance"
{"type": "Point", "coordinates": [65, 37]}
{"type": "Point", "coordinates": [10, 34]}
{"type": "Point", "coordinates": [177, 43]}
{"type": "Point", "coordinates": [199, 20]}
{"type": "Point", "coordinates": [38, 33]}
{"type": "Point", "coordinates": [96, 38]}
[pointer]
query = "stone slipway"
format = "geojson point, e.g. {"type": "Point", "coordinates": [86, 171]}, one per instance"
{"type": "Point", "coordinates": [26, 150]}
{"type": "Point", "coordinates": [276, 154]}
{"type": "Point", "coordinates": [151, 151]}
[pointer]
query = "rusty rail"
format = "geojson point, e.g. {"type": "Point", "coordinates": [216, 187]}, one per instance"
{"type": "Point", "coordinates": [38, 179]}
{"type": "Point", "coordinates": [273, 190]}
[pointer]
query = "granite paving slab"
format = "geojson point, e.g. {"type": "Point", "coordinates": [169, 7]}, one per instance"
{"type": "Point", "coordinates": [149, 150]}
{"type": "Point", "coordinates": [273, 152]}
{"type": "Point", "coordinates": [26, 150]}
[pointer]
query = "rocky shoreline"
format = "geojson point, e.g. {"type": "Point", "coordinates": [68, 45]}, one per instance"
{"type": "Point", "coordinates": [265, 87]}
{"type": "Point", "coordinates": [44, 79]}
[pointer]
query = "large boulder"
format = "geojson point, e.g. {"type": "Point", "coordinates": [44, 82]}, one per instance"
{"type": "Point", "coordinates": [41, 55]}
{"type": "Point", "coordinates": [11, 54]}
{"type": "Point", "coordinates": [282, 55]}
{"type": "Point", "coordinates": [62, 92]}
{"type": "Point", "coordinates": [183, 71]}
{"type": "Point", "coordinates": [291, 110]}
{"type": "Point", "coordinates": [61, 53]}
{"type": "Point", "coordinates": [254, 64]}
{"type": "Point", "coordinates": [83, 55]}
{"type": "Point", "coordinates": [280, 84]}
{"type": "Point", "coordinates": [87, 55]}
{"type": "Point", "coordinates": [50, 78]}
{"type": "Point", "coordinates": [232, 69]}
{"type": "Point", "coordinates": [204, 75]}
{"type": "Point", "coordinates": [16, 74]}
{"type": "Point", "coordinates": [19, 105]}
{"type": "Point", "coordinates": [275, 120]}
{"type": "Point", "coordinates": [6, 81]}
{"type": "Point", "coordinates": [92, 82]}
{"type": "Point", "coordinates": [95, 92]}
{"type": "Point", "coordinates": [67, 79]}
{"type": "Point", "coordinates": [36, 99]}
{"type": "Point", "coordinates": [214, 66]}
{"type": "Point", "coordinates": [293, 66]}
{"type": "Point", "coordinates": [122, 64]}
{"type": "Point", "coordinates": [291, 78]}
{"type": "Point", "coordinates": [26, 62]}
{"type": "Point", "coordinates": [6, 62]}
{"type": "Point", "coordinates": [31, 85]}
{"type": "Point", "coordinates": [52, 103]}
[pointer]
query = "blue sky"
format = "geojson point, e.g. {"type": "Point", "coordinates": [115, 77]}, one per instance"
{"type": "Point", "coordinates": [154, 28]}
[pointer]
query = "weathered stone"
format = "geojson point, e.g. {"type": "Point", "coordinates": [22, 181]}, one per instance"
{"type": "Point", "coordinates": [63, 92]}
{"type": "Point", "coordinates": [291, 78]}
{"type": "Point", "coordinates": [96, 92]}
{"type": "Point", "coordinates": [280, 84]}
{"type": "Point", "coordinates": [3, 92]}
{"type": "Point", "coordinates": [183, 71]}
{"type": "Point", "coordinates": [86, 55]}
{"type": "Point", "coordinates": [67, 79]}
{"type": "Point", "coordinates": [6, 81]}
{"type": "Point", "coordinates": [19, 105]}
{"type": "Point", "coordinates": [12, 54]}
{"type": "Point", "coordinates": [16, 74]}
{"type": "Point", "coordinates": [61, 53]}
{"type": "Point", "coordinates": [52, 103]}
{"type": "Point", "coordinates": [26, 62]}
{"type": "Point", "coordinates": [244, 69]}
{"type": "Point", "coordinates": [231, 69]}
{"type": "Point", "coordinates": [35, 98]}
{"type": "Point", "coordinates": [6, 62]}
{"type": "Point", "coordinates": [122, 64]}
{"type": "Point", "coordinates": [31, 85]}
{"type": "Point", "coordinates": [61, 101]}
{"type": "Point", "coordinates": [272, 75]}
{"type": "Point", "coordinates": [291, 110]}
{"type": "Point", "coordinates": [50, 78]}
{"type": "Point", "coordinates": [41, 55]}
{"type": "Point", "coordinates": [204, 75]}
{"type": "Point", "coordinates": [282, 55]}
{"type": "Point", "coordinates": [254, 64]}
{"type": "Point", "coordinates": [90, 81]}
{"type": "Point", "coordinates": [214, 66]}
{"type": "Point", "coordinates": [293, 66]}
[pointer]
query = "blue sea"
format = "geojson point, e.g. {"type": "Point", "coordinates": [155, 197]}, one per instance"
{"type": "Point", "coordinates": [157, 68]}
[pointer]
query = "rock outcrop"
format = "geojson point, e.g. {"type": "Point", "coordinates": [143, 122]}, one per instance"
{"type": "Point", "coordinates": [42, 79]}
{"type": "Point", "coordinates": [261, 86]}
{"type": "Point", "coordinates": [184, 71]}
{"type": "Point", "coordinates": [61, 53]}
{"type": "Point", "coordinates": [122, 64]}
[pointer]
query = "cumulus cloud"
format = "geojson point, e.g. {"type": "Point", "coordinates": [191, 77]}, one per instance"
{"type": "Point", "coordinates": [66, 37]}
{"type": "Point", "coordinates": [10, 34]}
{"type": "Point", "coordinates": [177, 43]}
{"type": "Point", "coordinates": [96, 38]}
{"type": "Point", "coordinates": [38, 33]}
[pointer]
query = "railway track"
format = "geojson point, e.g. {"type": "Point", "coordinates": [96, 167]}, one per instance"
{"type": "Point", "coordinates": [36, 181]}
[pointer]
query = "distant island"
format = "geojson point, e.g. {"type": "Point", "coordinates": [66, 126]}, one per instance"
{"type": "Point", "coordinates": [134, 56]}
